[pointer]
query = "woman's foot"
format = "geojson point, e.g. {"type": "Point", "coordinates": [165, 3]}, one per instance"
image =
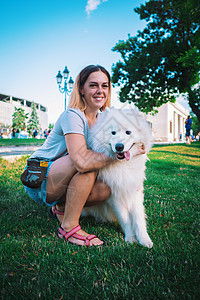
{"type": "Point", "coordinates": [79, 237]}
{"type": "Point", "coordinates": [55, 213]}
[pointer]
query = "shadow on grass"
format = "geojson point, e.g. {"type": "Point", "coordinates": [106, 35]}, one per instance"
{"type": "Point", "coordinates": [193, 144]}
{"type": "Point", "coordinates": [181, 154]}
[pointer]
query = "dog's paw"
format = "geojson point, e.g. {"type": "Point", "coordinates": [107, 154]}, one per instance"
{"type": "Point", "coordinates": [130, 239]}
{"type": "Point", "coordinates": [147, 243]}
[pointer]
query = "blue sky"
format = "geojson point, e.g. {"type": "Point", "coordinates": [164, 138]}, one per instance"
{"type": "Point", "coordinates": [38, 38]}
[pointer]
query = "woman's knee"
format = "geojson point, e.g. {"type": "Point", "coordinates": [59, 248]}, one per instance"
{"type": "Point", "coordinates": [103, 190]}
{"type": "Point", "coordinates": [88, 178]}
{"type": "Point", "coordinates": [100, 192]}
{"type": "Point", "coordinates": [60, 174]}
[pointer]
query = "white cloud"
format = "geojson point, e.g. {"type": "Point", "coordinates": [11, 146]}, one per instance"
{"type": "Point", "coordinates": [92, 5]}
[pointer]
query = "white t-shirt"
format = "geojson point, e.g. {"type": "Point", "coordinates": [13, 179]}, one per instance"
{"type": "Point", "coordinates": [70, 121]}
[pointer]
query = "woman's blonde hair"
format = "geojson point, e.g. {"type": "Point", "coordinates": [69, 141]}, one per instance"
{"type": "Point", "coordinates": [76, 99]}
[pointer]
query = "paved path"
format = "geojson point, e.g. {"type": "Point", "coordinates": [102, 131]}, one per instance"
{"type": "Point", "coordinates": [11, 153]}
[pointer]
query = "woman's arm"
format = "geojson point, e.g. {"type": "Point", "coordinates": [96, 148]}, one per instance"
{"type": "Point", "coordinates": [84, 160]}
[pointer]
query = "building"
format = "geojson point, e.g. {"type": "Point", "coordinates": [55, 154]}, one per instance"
{"type": "Point", "coordinates": [7, 108]}
{"type": "Point", "coordinates": [168, 125]}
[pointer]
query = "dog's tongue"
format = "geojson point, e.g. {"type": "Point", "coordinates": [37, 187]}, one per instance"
{"type": "Point", "coordinates": [127, 155]}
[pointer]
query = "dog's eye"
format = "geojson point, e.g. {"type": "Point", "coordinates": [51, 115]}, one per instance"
{"type": "Point", "coordinates": [128, 132]}
{"type": "Point", "coordinates": [113, 132]}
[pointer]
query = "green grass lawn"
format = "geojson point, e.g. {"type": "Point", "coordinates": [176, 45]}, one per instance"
{"type": "Point", "coordinates": [37, 265]}
{"type": "Point", "coordinates": [20, 142]}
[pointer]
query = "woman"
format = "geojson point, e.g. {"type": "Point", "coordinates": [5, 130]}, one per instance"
{"type": "Point", "coordinates": [71, 175]}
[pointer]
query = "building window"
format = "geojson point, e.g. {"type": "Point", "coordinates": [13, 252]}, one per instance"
{"type": "Point", "coordinates": [28, 103]}
{"type": "Point", "coordinates": [170, 126]}
{"type": "Point", "coordinates": [4, 98]}
{"type": "Point", "coordinates": [42, 108]}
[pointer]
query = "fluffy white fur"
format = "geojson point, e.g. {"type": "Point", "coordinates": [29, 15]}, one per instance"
{"type": "Point", "coordinates": [118, 128]}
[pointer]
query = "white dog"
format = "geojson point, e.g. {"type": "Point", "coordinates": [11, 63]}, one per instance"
{"type": "Point", "coordinates": [120, 133]}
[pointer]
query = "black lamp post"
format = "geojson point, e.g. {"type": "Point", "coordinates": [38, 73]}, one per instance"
{"type": "Point", "coordinates": [67, 88]}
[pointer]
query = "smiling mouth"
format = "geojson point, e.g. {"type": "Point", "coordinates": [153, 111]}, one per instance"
{"type": "Point", "coordinates": [98, 98]}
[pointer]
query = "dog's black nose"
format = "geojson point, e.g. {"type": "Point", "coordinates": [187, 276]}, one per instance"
{"type": "Point", "coordinates": [119, 147]}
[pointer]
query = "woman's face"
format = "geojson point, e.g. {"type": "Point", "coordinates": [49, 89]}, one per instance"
{"type": "Point", "coordinates": [96, 90]}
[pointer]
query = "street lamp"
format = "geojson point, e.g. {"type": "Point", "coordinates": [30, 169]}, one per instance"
{"type": "Point", "coordinates": [67, 88]}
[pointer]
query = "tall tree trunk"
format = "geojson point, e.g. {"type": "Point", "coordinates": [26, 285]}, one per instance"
{"type": "Point", "coordinates": [192, 98]}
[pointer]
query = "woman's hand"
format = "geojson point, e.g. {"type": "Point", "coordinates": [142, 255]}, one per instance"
{"type": "Point", "coordinates": [141, 149]}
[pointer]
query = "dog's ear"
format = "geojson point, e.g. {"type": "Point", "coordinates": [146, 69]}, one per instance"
{"type": "Point", "coordinates": [147, 137]}
{"type": "Point", "coordinates": [102, 115]}
{"type": "Point", "coordinates": [107, 111]}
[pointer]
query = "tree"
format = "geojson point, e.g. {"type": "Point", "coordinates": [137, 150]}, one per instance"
{"type": "Point", "coordinates": [33, 122]}
{"type": "Point", "coordinates": [19, 119]}
{"type": "Point", "coordinates": [51, 126]}
{"type": "Point", "coordinates": [164, 58]}
{"type": "Point", "coordinates": [195, 125]}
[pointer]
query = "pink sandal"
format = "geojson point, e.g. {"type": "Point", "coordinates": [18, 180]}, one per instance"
{"type": "Point", "coordinates": [65, 235]}
{"type": "Point", "coordinates": [53, 212]}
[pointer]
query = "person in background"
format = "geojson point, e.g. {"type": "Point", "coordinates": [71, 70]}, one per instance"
{"type": "Point", "coordinates": [188, 124]}
{"type": "Point", "coordinates": [17, 133]}
{"type": "Point", "coordinates": [198, 137]}
{"type": "Point", "coordinates": [41, 133]}
{"type": "Point", "coordinates": [45, 133]}
{"type": "Point", "coordinates": [13, 133]}
{"type": "Point", "coordinates": [35, 133]}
